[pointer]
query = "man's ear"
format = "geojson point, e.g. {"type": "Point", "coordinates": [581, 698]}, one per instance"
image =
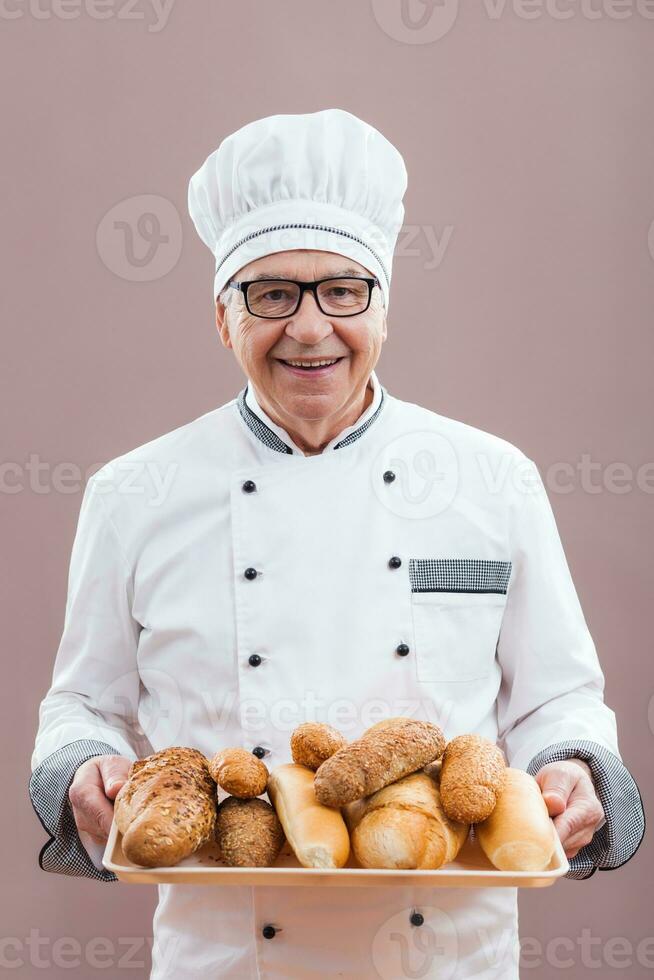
{"type": "Point", "coordinates": [221, 323]}
{"type": "Point", "coordinates": [384, 329]}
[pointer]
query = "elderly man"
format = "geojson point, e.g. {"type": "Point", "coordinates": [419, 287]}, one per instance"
{"type": "Point", "coordinates": [324, 551]}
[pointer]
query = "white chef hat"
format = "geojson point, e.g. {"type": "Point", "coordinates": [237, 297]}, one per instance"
{"type": "Point", "coordinates": [323, 180]}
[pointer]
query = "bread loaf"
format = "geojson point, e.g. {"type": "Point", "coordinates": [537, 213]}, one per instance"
{"type": "Point", "coordinates": [313, 742]}
{"type": "Point", "coordinates": [404, 826]}
{"type": "Point", "coordinates": [395, 722]}
{"type": "Point", "coordinates": [167, 807]}
{"type": "Point", "coordinates": [472, 776]}
{"type": "Point", "coordinates": [381, 756]}
{"type": "Point", "coordinates": [239, 773]}
{"type": "Point", "coordinates": [519, 834]}
{"type": "Point", "coordinates": [248, 832]}
{"type": "Point", "coordinates": [316, 833]}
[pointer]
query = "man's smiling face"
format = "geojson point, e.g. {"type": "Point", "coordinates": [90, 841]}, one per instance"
{"type": "Point", "coordinates": [263, 347]}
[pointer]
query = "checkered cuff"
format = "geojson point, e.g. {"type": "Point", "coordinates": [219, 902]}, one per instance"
{"type": "Point", "coordinates": [64, 853]}
{"type": "Point", "coordinates": [619, 838]}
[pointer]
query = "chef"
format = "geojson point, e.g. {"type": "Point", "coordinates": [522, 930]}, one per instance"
{"type": "Point", "coordinates": [318, 549]}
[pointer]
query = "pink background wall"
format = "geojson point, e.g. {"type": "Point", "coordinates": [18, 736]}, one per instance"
{"type": "Point", "coordinates": [521, 303]}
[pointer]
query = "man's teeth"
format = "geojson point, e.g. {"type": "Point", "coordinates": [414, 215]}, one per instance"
{"type": "Point", "coordinates": [311, 364]}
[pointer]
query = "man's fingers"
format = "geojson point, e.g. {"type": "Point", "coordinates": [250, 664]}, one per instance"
{"type": "Point", "coordinates": [577, 841]}
{"type": "Point", "coordinates": [114, 769]}
{"type": "Point", "coordinates": [583, 813]}
{"type": "Point", "coordinates": [92, 810]}
{"type": "Point", "coordinates": [556, 785]}
{"type": "Point", "coordinates": [88, 794]}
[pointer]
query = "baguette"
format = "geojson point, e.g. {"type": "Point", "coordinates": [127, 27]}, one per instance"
{"type": "Point", "coordinates": [167, 807]}
{"type": "Point", "coordinates": [316, 833]}
{"type": "Point", "coordinates": [519, 834]}
{"type": "Point", "coordinates": [472, 777]}
{"type": "Point", "coordinates": [404, 826]}
{"type": "Point", "coordinates": [381, 756]}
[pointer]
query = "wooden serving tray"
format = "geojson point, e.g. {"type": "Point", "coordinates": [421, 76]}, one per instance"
{"type": "Point", "coordinates": [470, 870]}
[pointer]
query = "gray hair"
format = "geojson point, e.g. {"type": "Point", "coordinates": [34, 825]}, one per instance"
{"type": "Point", "coordinates": [225, 296]}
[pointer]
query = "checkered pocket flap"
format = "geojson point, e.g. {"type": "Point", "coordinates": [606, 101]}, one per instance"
{"type": "Point", "coordinates": [459, 575]}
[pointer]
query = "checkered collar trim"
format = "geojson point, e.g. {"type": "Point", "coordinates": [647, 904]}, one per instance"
{"type": "Point", "coordinates": [266, 435]}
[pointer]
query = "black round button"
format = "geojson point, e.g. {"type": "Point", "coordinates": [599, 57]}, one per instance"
{"type": "Point", "coordinates": [394, 562]}
{"type": "Point", "coordinates": [249, 486]}
{"type": "Point", "coordinates": [402, 649]}
{"type": "Point", "coordinates": [269, 932]}
{"type": "Point", "coordinates": [254, 660]}
{"type": "Point", "coordinates": [417, 919]}
{"type": "Point", "coordinates": [250, 573]}
{"type": "Point", "coordinates": [389, 476]}
{"type": "Point", "coordinates": [259, 751]}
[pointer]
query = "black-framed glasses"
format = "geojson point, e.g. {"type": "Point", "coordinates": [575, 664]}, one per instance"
{"type": "Point", "coordinates": [273, 299]}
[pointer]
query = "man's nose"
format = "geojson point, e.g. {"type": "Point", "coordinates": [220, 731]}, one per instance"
{"type": "Point", "coordinates": [309, 324]}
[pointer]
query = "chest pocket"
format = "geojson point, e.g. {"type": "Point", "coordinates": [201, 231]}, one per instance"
{"type": "Point", "coordinates": [457, 606]}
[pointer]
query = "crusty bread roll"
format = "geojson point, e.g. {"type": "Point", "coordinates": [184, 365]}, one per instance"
{"type": "Point", "coordinates": [519, 834]}
{"type": "Point", "coordinates": [239, 773]}
{"type": "Point", "coordinates": [404, 826]}
{"type": "Point", "coordinates": [395, 722]}
{"type": "Point", "coordinates": [167, 807]}
{"type": "Point", "coordinates": [472, 777]}
{"type": "Point", "coordinates": [316, 833]}
{"type": "Point", "coordinates": [313, 742]}
{"type": "Point", "coordinates": [381, 756]}
{"type": "Point", "coordinates": [248, 833]}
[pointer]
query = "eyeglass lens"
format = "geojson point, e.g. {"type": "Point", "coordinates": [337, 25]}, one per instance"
{"type": "Point", "coordinates": [276, 297]}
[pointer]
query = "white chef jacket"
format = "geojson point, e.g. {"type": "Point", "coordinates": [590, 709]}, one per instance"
{"type": "Point", "coordinates": [413, 567]}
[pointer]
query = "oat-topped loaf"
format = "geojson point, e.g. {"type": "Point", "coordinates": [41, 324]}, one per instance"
{"type": "Point", "coordinates": [167, 807]}
{"type": "Point", "coordinates": [381, 756]}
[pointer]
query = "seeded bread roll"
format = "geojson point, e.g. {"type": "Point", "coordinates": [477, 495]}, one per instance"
{"type": "Point", "coordinates": [396, 722]}
{"type": "Point", "coordinates": [381, 756]}
{"type": "Point", "coordinates": [404, 826]}
{"type": "Point", "coordinates": [313, 742]}
{"type": "Point", "coordinates": [239, 773]}
{"type": "Point", "coordinates": [473, 773]}
{"type": "Point", "coordinates": [167, 807]}
{"type": "Point", "coordinates": [248, 833]}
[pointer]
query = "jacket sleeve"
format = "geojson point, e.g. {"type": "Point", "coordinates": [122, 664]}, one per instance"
{"type": "Point", "coordinates": [91, 707]}
{"type": "Point", "coordinates": [64, 852]}
{"type": "Point", "coordinates": [550, 704]}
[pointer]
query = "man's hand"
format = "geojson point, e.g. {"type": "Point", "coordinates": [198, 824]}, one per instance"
{"type": "Point", "coordinates": [570, 796]}
{"type": "Point", "coordinates": [92, 791]}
